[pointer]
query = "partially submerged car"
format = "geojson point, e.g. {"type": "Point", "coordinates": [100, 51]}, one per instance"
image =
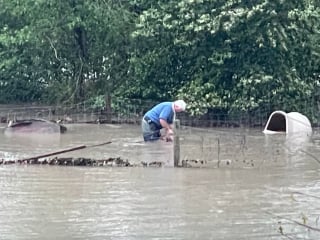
{"type": "Point", "coordinates": [35, 125]}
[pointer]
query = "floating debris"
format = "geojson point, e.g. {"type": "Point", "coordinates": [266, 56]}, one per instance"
{"type": "Point", "coordinates": [114, 162]}
{"type": "Point", "coordinates": [108, 162]}
{"type": "Point", "coordinates": [193, 163]}
{"type": "Point", "coordinates": [152, 164]}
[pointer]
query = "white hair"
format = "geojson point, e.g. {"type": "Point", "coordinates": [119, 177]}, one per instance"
{"type": "Point", "coordinates": [180, 104]}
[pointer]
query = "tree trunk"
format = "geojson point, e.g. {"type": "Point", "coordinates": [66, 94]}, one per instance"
{"type": "Point", "coordinates": [81, 39]}
{"type": "Point", "coordinates": [108, 107]}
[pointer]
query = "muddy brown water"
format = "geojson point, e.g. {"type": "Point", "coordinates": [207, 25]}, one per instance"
{"type": "Point", "coordinates": [250, 186]}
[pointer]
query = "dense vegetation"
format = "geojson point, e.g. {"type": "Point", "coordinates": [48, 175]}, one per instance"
{"type": "Point", "coordinates": [230, 55]}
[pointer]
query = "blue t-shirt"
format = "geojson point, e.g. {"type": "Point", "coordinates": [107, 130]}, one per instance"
{"type": "Point", "coordinates": [161, 111]}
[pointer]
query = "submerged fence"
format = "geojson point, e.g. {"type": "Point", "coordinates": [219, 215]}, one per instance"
{"type": "Point", "coordinates": [131, 111]}
{"type": "Point", "coordinates": [215, 139]}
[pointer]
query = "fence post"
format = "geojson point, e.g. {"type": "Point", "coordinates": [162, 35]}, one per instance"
{"type": "Point", "coordinates": [176, 143]}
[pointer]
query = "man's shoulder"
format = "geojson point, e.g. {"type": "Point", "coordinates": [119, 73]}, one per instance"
{"type": "Point", "coordinates": [162, 105]}
{"type": "Point", "coordinates": [166, 109]}
{"type": "Point", "coordinates": [166, 104]}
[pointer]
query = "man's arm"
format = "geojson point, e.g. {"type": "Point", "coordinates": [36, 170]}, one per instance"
{"type": "Point", "coordinates": [165, 124]}
{"type": "Point", "coordinates": [168, 128]}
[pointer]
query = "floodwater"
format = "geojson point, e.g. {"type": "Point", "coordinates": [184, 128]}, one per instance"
{"type": "Point", "coordinates": [242, 185]}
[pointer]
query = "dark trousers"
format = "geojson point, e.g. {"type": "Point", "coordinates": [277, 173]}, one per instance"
{"type": "Point", "coordinates": [150, 130]}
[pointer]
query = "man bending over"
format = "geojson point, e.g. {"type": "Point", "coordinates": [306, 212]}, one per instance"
{"type": "Point", "coordinates": [161, 116]}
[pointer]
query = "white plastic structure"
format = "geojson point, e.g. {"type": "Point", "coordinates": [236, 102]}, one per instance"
{"type": "Point", "coordinates": [282, 122]}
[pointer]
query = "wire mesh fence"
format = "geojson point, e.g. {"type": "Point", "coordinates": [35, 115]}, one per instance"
{"type": "Point", "coordinates": [212, 140]}
{"type": "Point", "coordinates": [131, 111]}
{"type": "Point", "coordinates": [244, 148]}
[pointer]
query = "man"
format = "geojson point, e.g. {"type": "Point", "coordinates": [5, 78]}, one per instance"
{"type": "Point", "coordinates": [161, 116]}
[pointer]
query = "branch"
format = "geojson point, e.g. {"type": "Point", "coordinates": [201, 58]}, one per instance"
{"type": "Point", "coordinates": [311, 155]}
{"type": "Point", "coordinates": [54, 49]}
{"type": "Point", "coordinates": [295, 222]}
{"type": "Point", "coordinates": [308, 195]}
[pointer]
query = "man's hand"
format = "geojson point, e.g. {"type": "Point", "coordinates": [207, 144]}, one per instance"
{"type": "Point", "coordinates": [169, 135]}
{"type": "Point", "coordinates": [169, 132]}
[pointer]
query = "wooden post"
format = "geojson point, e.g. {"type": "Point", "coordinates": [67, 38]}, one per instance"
{"type": "Point", "coordinates": [176, 143]}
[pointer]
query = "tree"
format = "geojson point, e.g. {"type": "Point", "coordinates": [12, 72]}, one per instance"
{"type": "Point", "coordinates": [74, 50]}
{"type": "Point", "coordinates": [234, 55]}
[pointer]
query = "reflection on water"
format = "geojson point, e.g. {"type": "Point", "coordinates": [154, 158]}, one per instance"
{"type": "Point", "coordinates": [269, 183]}
{"type": "Point", "coordinates": [16, 146]}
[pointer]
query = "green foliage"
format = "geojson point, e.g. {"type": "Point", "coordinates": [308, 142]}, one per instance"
{"type": "Point", "coordinates": [72, 49]}
{"type": "Point", "coordinates": [227, 55]}
{"type": "Point", "coordinates": [236, 55]}
{"type": "Point", "coordinates": [97, 103]}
